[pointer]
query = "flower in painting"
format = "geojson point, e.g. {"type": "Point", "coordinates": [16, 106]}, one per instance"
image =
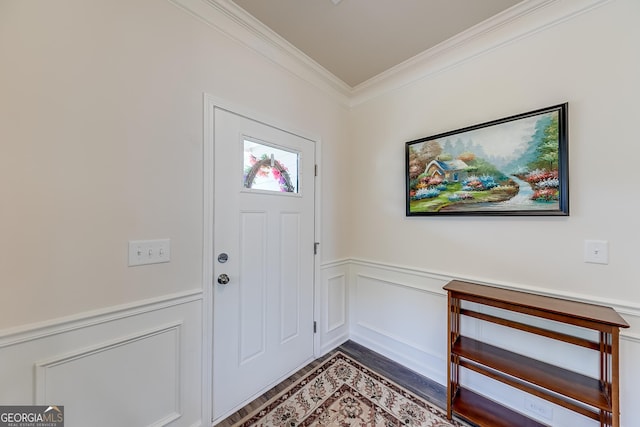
{"type": "Point", "coordinates": [479, 183]}
{"type": "Point", "coordinates": [545, 194]}
{"type": "Point", "coordinates": [426, 193]}
{"type": "Point", "coordinates": [549, 183]}
{"type": "Point", "coordinates": [488, 182]}
{"type": "Point", "coordinates": [538, 175]}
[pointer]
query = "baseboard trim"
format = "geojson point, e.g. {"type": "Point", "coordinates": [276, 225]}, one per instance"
{"type": "Point", "coordinates": [408, 362]}
{"type": "Point", "coordinates": [333, 344]}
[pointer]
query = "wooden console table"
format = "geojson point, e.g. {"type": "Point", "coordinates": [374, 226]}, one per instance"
{"type": "Point", "coordinates": [596, 398]}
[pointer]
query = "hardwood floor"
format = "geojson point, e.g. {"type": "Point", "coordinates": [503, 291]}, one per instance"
{"type": "Point", "coordinates": [421, 386]}
{"type": "Point", "coordinates": [428, 389]}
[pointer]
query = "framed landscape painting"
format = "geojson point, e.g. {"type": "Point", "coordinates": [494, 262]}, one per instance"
{"type": "Point", "coordinates": [512, 166]}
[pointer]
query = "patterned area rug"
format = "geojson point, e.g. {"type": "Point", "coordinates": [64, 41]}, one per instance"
{"type": "Point", "coordinates": [342, 392]}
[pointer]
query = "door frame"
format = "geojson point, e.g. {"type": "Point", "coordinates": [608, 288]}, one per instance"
{"type": "Point", "coordinates": [210, 104]}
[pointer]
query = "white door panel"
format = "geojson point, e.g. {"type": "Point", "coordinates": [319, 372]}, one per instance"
{"type": "Point", "coordinates": [263, 317]}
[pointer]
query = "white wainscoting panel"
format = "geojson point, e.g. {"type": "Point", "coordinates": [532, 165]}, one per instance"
{"type": "Point", "coordinates": [118, 372]}
{"type": "Point", "coordinates": [333, 325]}
{"type": "Point", "coordinates": [140, 365]}
{"type": "Point", "coordinates": [401, 312]}
{"type": "Point", "coordinates": [336, 302]}
{"type": "Point", "coordinates": [630, 376]}
{"type": "Point", "coordinates": [401, 315]}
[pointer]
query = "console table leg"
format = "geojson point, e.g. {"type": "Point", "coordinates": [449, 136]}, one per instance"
{"type": "Point", "coordinates": [614, 384]}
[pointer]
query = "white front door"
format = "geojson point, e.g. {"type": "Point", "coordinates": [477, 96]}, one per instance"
{"type": "Point", "coordinates": [264, 244]}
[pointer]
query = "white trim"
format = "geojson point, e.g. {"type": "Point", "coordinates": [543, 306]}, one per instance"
{"type": "Point", "coordinates": [36, 331]}
{"type": "Point", "coordinates": [520, 21]}
{"type": "Point", "coordinates": [42, 366]}
{"type": "Point", "coordinates": [336, 263]}
{"type": "Point", "coordinates": [345, 286]}
{"type": "Point", "coordinates": [208, 109]}
{"type": "Point", "coordinates": [333, 344]}
{"type": "Point", "coordinates": [634, 338]}
{"type": "Point", "coordinates": [213, 102]}
{"type": "Point", "coordinates": [165, 421]}
{"type": "Point", "coordinates": [232, 21]}
{"type": "Point", "coordinates": [417, 365]}
{"type": "Point", "coordinates": [439, 292]}
{"type": "Point", "coordinates": [394, 344]}
{"type": "Point", "coordinates": [621, 307]}
{"type": "Point", "coordinates": [397, 338]}
{"type": "Point", "coordinates": [317, 274]}
{"type": "Point", "coordinates": [396, 268]}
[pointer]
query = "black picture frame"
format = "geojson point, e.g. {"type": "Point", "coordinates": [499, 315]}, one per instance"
{"type": "Point", "coordinates": [518, 165]}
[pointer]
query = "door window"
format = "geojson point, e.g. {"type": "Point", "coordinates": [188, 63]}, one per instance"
{"type": "Point", "coordinates": [270, 168]}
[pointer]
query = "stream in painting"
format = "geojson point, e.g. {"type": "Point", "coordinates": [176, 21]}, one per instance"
{"type": "Point", "coordinates": [520, 202]}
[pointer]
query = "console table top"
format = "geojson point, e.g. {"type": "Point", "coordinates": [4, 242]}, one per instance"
{"type": "Point", "coordinates": [539, 303]}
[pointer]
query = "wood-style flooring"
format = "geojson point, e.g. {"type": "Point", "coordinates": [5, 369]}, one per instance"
{"type": "Point", "coordinates": [421, 386]}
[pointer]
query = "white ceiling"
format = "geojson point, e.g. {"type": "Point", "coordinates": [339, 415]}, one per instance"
{"type": "Point", "coordinates": [356, 40]}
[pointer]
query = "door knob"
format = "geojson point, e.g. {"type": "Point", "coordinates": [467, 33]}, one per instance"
{"type": "Point", "coordinates": [223, 279]}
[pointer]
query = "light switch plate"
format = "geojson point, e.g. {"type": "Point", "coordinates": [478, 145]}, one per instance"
{"type": "Point", "coordinates": [596, 251]}
{"type": "Point", "coordinates": [143, 252]}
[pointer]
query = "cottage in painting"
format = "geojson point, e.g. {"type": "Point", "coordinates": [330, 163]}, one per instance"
{"type": "Point", "coordinates": [452, 170]}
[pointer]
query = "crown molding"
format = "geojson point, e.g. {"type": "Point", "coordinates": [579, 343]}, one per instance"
{"type": "Point", "coordinates": [522, 20]}
{"type": "Point", "coordinates": [235, 23]}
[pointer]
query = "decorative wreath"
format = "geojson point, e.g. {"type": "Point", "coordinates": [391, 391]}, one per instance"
{"type": "Point", "coordinates": [278, 171]}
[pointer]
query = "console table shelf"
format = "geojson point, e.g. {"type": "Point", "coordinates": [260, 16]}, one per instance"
{"type": "Point", "coordinates": [596, 398]}
{"type": "Point", "coordinates": [478, 409]}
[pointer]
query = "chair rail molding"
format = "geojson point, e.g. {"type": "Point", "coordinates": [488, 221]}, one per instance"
{"type": "Point", "coordinates": [34, 331]}
{"type": "Point", "coordinates": [622, 307]}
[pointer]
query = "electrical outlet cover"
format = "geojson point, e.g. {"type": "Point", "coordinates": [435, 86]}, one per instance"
{"type": "Point", "coordinates": [538, 407]}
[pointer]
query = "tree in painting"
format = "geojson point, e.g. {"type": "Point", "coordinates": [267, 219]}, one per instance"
{"type": "Point", "coordinates": [543, 175]}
